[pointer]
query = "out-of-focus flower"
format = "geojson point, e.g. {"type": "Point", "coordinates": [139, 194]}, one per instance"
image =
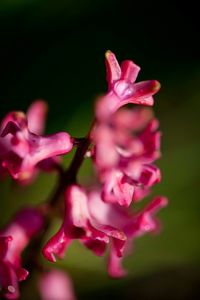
{"type": "Point", "coordinates": [14, 238]}
{"type": "Point", "coordinates": [122, 88]}
{"type": "Point", "coordinates": [96, 224]}
{"type": "Point", "coordinates": [124, 149]}
{"type": "Point", "coordinates": [56, 285]}
{"type": "Point", "coordinates": [23, 149]}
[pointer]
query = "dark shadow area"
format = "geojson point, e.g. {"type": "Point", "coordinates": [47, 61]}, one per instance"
{"type": "Point", "coordinates": [174, 284]}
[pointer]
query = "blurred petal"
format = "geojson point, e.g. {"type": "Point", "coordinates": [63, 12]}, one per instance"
{"type": "Point", "coordinates": [36, 116]}
{"type": "Point", "coordinates": [56, 285]}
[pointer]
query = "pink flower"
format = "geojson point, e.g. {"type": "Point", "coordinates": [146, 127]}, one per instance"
{"type": "Point", "coordinates": [130, 224]}
{"type": "Point", "coordinates": [56, 285]}
{"type": "Point", "coordinates": [23, 149]}
{"type": "Point", "coordinates": [14, 238]}
{"type": "Point", "coordinates": [97, 223]}
{"type": "Point", "coordinates": [79, 223]}
{"type": "Point", "coordinates": [122, 88]}
{"type": "Point", "coordinates": [124, 149]}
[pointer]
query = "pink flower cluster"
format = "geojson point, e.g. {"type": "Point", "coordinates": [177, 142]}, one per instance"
{"type": "Point", "coordinates": [123, 144]}
{"type": "Point", "coordinates": [23, 149]}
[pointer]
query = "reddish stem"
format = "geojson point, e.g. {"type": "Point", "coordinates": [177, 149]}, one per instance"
{"type": "Point", "coordinates": [69, 176]}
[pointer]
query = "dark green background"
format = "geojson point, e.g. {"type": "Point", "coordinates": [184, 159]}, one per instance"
{"type": "Point", "coordinates": [55, 50]}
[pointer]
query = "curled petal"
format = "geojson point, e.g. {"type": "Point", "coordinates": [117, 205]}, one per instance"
{"type": "Point", "coordinates": [145, 221]}
{"type": "Point", "coordinates": [115, 269]}
{"type": "Point", "coordinates": [56, 246]}
{"type": "Point", "coordinates": [95, 245]}
{"type": "Point", "coordinates": [118, 188]}
{"type": "Point", "coordinates": [17, 117]}
{"type": "Point", "coordinates": [21, 274]}
{"type": "Point", "coordinates": [11, 128]}
{"type": "Point", "coordinates": [150, 175]}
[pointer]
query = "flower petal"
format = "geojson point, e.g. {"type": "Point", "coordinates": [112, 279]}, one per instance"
{"type": "Point", "coordinates": [129, 71]}
{"type": "Point", "coordinates": [113, 70]}
{"type": "Point", "coordinates": [36, 116]}
{"type": "Point", "coordinates": [56, 246]}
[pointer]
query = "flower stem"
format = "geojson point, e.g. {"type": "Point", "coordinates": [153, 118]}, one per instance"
{"type": "Point", "coordinates": [69, 176]}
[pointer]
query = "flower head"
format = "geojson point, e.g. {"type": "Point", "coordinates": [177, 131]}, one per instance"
{"type": "Point", "coordinates": [122, 88]}
{"type": "Point", "coordinates": [97, 224]}
{"type": "Point", "coordinates": [125, 148]}
{"type": "Point", "coordinates": [22, 148]}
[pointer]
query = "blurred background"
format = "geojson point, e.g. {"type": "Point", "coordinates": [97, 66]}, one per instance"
{"type": "Point", "coordinates": [54, 50]}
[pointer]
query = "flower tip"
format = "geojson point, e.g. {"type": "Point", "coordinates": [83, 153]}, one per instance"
{"type": "Point", "coordinates": [23, 176]}
{"type": "Point", "coordinates": [110, 58]}
{"type": "Point", "coordinates": [22, 274]}
{"type": "Point", "coordinates": [108, 53]}
{"type": "Point", "coordinates": [18, 115]}
{"type": "Point", "coordinates": [49, 255]}
{"type": "Point", "coordinates": [155, 86]}
{"type": "Point", "coordinates": [39, 105]}
{"type": "Point", "coordinates": [161, 201]}
{"type": "Point", "coordinates": [117, 273]}
{"type": "Point", "coordinates": [164, 201]}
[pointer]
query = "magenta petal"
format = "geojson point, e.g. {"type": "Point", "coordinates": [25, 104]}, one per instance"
{"type": "Point", "coordinates": [76, 203]}
{"type": "Point", "coordinates": [115, 269]}
{"type": "Point", "coordinates": [21, 274]}
{"type": "Point", "coordinates": [156, 204]}
{"type": "Point", "coordinates": [49, 146]}
{"type": "Point", "coordinates": [36, 116]}
{"type": "Point", "coordinates": [146, 88]}
{"type": "Point", "coordinates": [129, 71]}
{"type": "Point", "coordinates": [56, 246]}
{"type": "Point", "coordinates": [113, 69]}
{"type": "Point", "coordinates": [11, 128]}
{"type": "Point", "coordinates": [43, 148]}
{"type": "Point", "coordinates": [31, 220]}
{"type": "Point", "coordinates": [17, 117]}
{"type": "Point", "coordinates": [150, 175]}
{"type": "Point", "coordinates": [138, 93]}
{"type": "Point", "coordinates": [146, 221]}
{"type": "Point", "coordinates": [96, 246]}
{"type": "Point", "coordinates": [4, 245]}
{"type": "Point", "coordinates": [148, 101]}
{"type": "Point", "coordinates": [118, 188]}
